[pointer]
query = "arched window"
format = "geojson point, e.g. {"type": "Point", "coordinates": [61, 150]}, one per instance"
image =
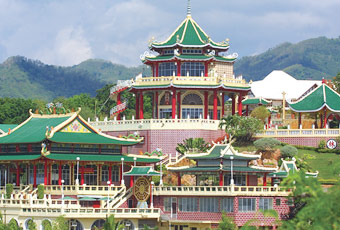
{"type": "Point", "coordinates": [192, 99]}
{"type": "Point", "coordinates": [76, 225]}
{"type": "Point", "coordinates": [98, 224]}
{"type": "Point", "coordinates": [195, 69]}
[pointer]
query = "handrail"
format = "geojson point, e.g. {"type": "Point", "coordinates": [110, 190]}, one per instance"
{"type": "Point", "coordinates": [83, 190]}
{"type": "Point", "coordinates": [298, 132]}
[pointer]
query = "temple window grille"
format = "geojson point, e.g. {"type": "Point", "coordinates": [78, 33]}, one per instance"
{"type": "Point", "coordinates": [194, 69]}
{"type": "Point", "coordinates": [167, 69]}
{"type": "Point", "coordinates": [192, 99]}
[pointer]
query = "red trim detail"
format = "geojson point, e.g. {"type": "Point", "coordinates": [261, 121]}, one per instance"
{"type": "Point", "coordinates": [60, 174]}
{"type": "Point", "coordinates": [206, 102]}
{"type": "Point", "coordinates": [179, 105]}
{"type": "Point", "coordinates": [141, 106]}
{"type": "Point", "coordinates": [215, 106]}
{"type": "Point", "coordinates": [137, 105]}
{"type": "Point", "coordinates": [240, 96]}
{"type": "Point", "coordinates": [173, 112]}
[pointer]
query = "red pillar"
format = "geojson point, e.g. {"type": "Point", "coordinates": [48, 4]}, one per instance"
{"type": "Point", "coordinates": [247, 110]}
{"type": "Point", "coordinates": [215, 105]}
{"type": "Point", "coordinates": [233, 104]}
{"type": "Point", "coordinates": [118, 103]}
{"type": "Point", "coordinates": [222, 100]}
{"type": "Point", "coordinates": [173, 103]}
{"type": "Point", "coordinates": [110, 174]}
{"type": "Point", "coordinates": [141, 105]}
{"type": "Point", "coordinates": [178, 179]}
{"type": "Point", "coordinates": [82, 175]}
{"type": "Point", "coordinates": [49, 174]}
{"type": "Point", "coordinates": [299, 120]}
{"type": "Point", "coordinates": [265, 179]}
{"type": "Point", "coordinates": [179, 105]}
{"type": "Point", "coordinates": [178, 68]}
{"type": "Point", "coordinates": [34, 175]}
{"type": "Point", "coordinates": [247, 180]}
{"type": "Point", "coordinates": [60, 174]}
{"type": "Point", "coordinates": [131, 181]}
{"type": "Point", "coordinates": [206, 69]}
{"type": "Point", "coordinates": [121, 173]}
{"type": "Point", "coordinates": [269, 119]}
{"type": "Point", "coordinates": [240, 104]}
{"type": "Point", "coordinates": [18, 174]}
{"type": "Point", "coordinates": [206, 104]}
{"type": "Point", "coordinates": [45, 173]}
{"type": "Point", "coordinates": [325, 117]}
{"type": "Point", "coordinates": [157, 75]}
{"type": "Point", "coordinates": [321, 121]}
{"type": "Point", "coordinates": [221, 178]}
{"type": "Point", "coordinates": [137, 105]}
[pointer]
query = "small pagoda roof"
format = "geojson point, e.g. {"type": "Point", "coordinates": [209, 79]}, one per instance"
{"type": "Point", "coordinates": [189, 34]}
{"type": "Point", "coordinates": [288, 167]}
{"type": "Point", "coordinates": [60, 128]}
{"type": "Point", "coordinates": [321, 97]}
{"type": "Point", "coordinates": [202, 57]}
{"type": "Point", "coordinates": [142, 171]}
{"type": "Point", "coordinates": [5, 127]}
{"type": "Point", "coordinates": [255, 101]}
{"type": "Point", "coordinates": [222, 151]}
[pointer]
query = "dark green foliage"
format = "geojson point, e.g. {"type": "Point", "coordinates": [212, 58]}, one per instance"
{"type": "Point", "coordinates": [31, 225]}
{"type": "Point", "coordinates": [9, 190]}
{"type": "Point", "coordinates": [226, 223]}
{"type": "Point", "coordinates": [192, 145]}
{"type": "Point", "coordinates": [288, 151]}
{"type": "Point", "coordinates": [111, 224]}
{"type": "Point", "coordinates": [336, 83]}
{"type": "Point", "coordinates": [242, 128]}
{"type": "Point", "coordinates": [41, 191]}
{"type": "Point", "coordinates": [310, 59]}
{"type": "Point", "coordinates": [46, 225]}
{"type": "Point", "coordinates": [266, 144]}
{"type": "Point", "coordinates": [12, 225]}
{"type": "Point", "coordinates": [261, 113]}
{"type": "Point", "coordinates": [60, 224]}
{"type": "Point", "coordinates": [322, 144]}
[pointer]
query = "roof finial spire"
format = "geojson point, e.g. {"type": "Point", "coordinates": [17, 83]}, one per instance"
{"type": "Point", "coordinates": [189, 9]}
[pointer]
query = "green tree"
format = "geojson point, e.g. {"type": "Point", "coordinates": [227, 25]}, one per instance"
{"type": "Point", "coordinates": [261, 113]}
{"type": "Point", "coordinates": [31, 225]}
{"type": "Point", "coordinates": [226, 223]}
{"type": "Point", "coordinates": [192, 145]}
{"type": "Point", "coordinates": [288, 151]}
{"type": "Point", "coordinates": [13, 225]}
{"type": "Point", "coordinates": [60, 224]}
{"type": "Point", "coordinates": [242, 129]}
{"type": "Point", "coordinates": [46, 225]}
{"type": "Point", "coordinates": [111, 224]}
{"type": "Point", "coordinates": [336, 82]}
{"type": "Point", "coordinates": [265, 144]}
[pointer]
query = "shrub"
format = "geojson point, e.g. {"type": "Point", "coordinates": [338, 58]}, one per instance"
{"type": "Point", "coordinates": [322, 144]}
{"type": "Point", "coordinates": [260, 113]}
{"type": "Point", "coordinates": [288, 151]}
{"type": "Point", "coordinates": [46, 225]}
{"type": "Point", "coordinates": [41, 191]}
{"type": "Point", "coordinates": [266, 144]}
{"type": "Point", "coordinates": [9, 190]}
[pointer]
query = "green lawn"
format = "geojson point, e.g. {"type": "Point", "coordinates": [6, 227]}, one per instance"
{"type": "Point", "coordinates": [322, 162]}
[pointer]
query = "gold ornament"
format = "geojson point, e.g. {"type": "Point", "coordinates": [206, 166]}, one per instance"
{"type": "Point", "coordinates": [141, 189]}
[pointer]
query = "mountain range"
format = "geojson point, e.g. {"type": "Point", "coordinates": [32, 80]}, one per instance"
{"type": "Point", "coordinates": [315, 58]}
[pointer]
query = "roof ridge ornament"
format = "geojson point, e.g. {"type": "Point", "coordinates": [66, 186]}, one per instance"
{"type": "Point", "coordinates": [189, 9]}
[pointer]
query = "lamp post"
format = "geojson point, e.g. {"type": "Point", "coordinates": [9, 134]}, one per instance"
{"type": "Point", "coordinates": [77, 180]}
{"type": "Point", "coordinates": [161, 177]}
{"type": "Point", "coordinates": [122, 182]}
{"type": "Point", "coordinates": [108, 193]}
{"type": "Point", "coordinates": [151, 197]}
{"type": "Point", "coordinates": [231, 171]}
{"type": "Point", "coordinates": [134, 161]}
{"type": "Point", "coordinates": [62, 193]}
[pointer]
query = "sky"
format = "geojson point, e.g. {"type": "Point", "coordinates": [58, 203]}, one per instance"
{"type": "Point", "coordinates": [67, 32]}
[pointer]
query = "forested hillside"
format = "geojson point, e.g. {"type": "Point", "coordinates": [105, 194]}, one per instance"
{"type": "Point", "coordinates": [310, 59]}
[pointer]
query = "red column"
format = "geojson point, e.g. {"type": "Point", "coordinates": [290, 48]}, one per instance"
{"type": "Point", "coordinates": [221, 178]}
{"type": "Point", "coordinates": [156, 105]}
{"type": "Point", "coordinates": [233, 104]}
{"type": "Point", "coordinates": [118, 103]}
{"type": "Point", "coordinates": [247, 180]}
{"type": "Point", "coordinates": [265, 179]}
{"type": "Point", "coordinates": [173, 103]}
{"type": "Point", "coordinates": [325, 117]}
{"type": "Point", "coordinates": [215, 105]}
{"type": "Point", "coordinates": [82, 175]}
{"type": "Point", "coordinates": [60, 174]}
{"type": "Point", "coordinates": [99, 167]}
{"type": "Point", "coordinates": [157, 70]}
{"type": "Point", "coordinates": [179, 105]}
{"type": "Point", "coordinates": [141, 105]}
{"type": "Point", "coordinates": [137, 105]}
{"type": "Point", "coordinates": [178, 179]}
{"type": "Point", "coordinates": [222, 100]}
{"type": "Point", "coordinates": [110, 174]}
{"type": "Point", "coordinates": [34, 175]}
{"type": "Point", "coordinates": [299, 120]}
{"type": "Point", "coordinates": [121, 173]}
{"type": "Point", "coordinates": [206, 104]}
{"type": "Point", "coordinates": [269, 119]}
{"type": "Point", "coordinates": [206, 69]}
{"type": "Point", "coordinates": [240, 104]}
{"type": "Point", "coordinates": [247, 110]}
{"type": "Point", "coordinates": [131, 181]}
{"type": "Point", "coordinates": [321, 121]}
{"type": "Point", "coordinates": [178, 68]}
{"type": "Point", "coordinates": [45, 173]}
{"type": "Point", "coordinates": [49, 174]}
{"type": "Point", "coordinates": [18, 174]}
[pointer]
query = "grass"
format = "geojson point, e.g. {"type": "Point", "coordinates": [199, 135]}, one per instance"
{"type": "Point", "coordinates": [322, 162]}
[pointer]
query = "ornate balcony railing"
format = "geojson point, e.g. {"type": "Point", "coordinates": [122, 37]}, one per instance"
{"type": "Point", "coordinates": [103, 190]}
{"type": "Point", "coordinates": [299, 133]}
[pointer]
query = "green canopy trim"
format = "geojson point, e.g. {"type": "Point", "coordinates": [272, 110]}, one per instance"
{"type": "Point", "coordinates": [190, 58]}
{"type": "Point", "coordinates": [99, 157]}
{"type": "Point", "coordinates": [5, 127]}
{"type": "Point", "coordinates": [278, 174]}
{"type": "Point", "coordinates": [19, 157]}
{"type": "Point", "coordinates": [321, 97]}
{"type": "Point", "coordinates": [224, 168]}
{"type": "Point", "coordinates": [142, 171]}
{"type": "Point", "coordinates": [255, 101]}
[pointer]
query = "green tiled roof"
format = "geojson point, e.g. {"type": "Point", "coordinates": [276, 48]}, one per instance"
{"type": "Point", "coordinates": [190, 57]}
{"type": "Point", "coordinates": [32, 130]}
{"type": "Point", "coordinates": [189, 34]}
{"type": "Point", "coordinates": [89, 138]}
{"type": "Point", "coordinates": [4, 127]}
{"type": "Point", "coordinates": [189, 86]}
{"type": "Point", "coordinates": [278, 174]}
{"type": "Point", "coordinates": [19, 157]}
{"type": "Point", "coordinates": [142, 171]}
{"type": "Point", "coordinates": [255, 101]}
{"type": "Point", "coordinates": [322, 96]}
{"type": "Point", "coordinates": [99, 157]}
